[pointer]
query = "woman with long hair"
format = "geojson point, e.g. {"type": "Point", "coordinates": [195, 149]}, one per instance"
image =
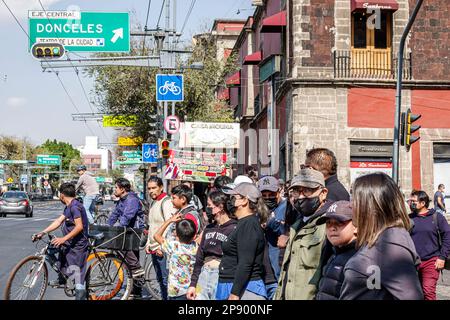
{"type": "Point", "coordinates": [206, 269]}
{"type": "Point", "coordinates": [241, 271]}
{"type": "Point", "coordinates": [385, 266]}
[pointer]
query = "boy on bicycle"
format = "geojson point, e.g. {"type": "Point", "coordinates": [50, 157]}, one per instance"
{"type": "Point", "coordinates": [73, 245]}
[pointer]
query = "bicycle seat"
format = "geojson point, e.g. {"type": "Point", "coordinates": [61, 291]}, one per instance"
{"type": "Point", "coordinates": [96, 236]}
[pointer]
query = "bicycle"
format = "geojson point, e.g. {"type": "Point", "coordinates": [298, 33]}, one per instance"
{"type": "Point", "coordinates": [107, 276]}
{"type": "Point", "coordinates": [102, 216]}
{"type": "Point", "coordinates": [169, 86]}
{"type": "Point", "coordinates": [151, 280]}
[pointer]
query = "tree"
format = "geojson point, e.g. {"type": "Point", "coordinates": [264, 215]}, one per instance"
{"type": "Point", "coordinates": [71, 157]}
{"type": "Point", "coordinates": [13, 148]}
{"type": "Point", "coordinates": [132, 91]}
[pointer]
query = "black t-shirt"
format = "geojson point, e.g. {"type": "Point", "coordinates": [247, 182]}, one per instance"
{"type": "Point", "coordinates": [243, 254]}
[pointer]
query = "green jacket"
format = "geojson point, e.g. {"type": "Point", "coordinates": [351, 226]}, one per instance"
{"type": "Point", "coordinates": [300, 271]}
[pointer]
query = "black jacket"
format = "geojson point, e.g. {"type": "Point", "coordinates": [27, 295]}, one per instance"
{"type": "Point", "coordinates": [243, 255]}
{"type": "Point", "coordinates": [333, 273]}
{"type": "Point", "coordinates": [336, 191]}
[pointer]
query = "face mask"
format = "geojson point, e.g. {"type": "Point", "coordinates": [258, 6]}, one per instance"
{"type": "Point", "coordinates": [231, 208]}
{"type": "Point", "coordinates": [413, 206]}
{"type": "Point", "coordinates": [307, 206]}
{"type": "Point", "coordinates": [209, 214]}
{"type": "Point", "coordinates": [271, 203]}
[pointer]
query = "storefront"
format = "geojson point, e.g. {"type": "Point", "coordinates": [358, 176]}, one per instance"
{"type": "Point", "coordinates": [369, 157]}
{"type": "Point", "coordinates": [441, 168]}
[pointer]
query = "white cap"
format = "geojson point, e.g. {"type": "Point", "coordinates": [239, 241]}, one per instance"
{"type": "Point", "coordinates": [239, 179]}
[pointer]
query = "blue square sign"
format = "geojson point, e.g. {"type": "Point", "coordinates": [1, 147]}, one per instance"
{"type": "Point", "coordinates": [149, 153]}
{"type": "Point", "coordinates": [169, 87]}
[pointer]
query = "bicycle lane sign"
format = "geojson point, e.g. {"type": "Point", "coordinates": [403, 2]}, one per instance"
{"type": "Point", "coordinates": [169, 87]}
{"type": "Point", "coordinates": [149, 153]}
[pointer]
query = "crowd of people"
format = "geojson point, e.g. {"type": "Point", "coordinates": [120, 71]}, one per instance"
{"type": "Point", "coordinates": [258, 239]}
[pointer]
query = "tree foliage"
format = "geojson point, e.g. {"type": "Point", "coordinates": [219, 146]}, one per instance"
{"type": "Point", "coordinates": [132, 90]}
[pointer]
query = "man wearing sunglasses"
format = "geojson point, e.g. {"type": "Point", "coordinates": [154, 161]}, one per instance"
{"type": "Point", "coordinates": [300, 271]}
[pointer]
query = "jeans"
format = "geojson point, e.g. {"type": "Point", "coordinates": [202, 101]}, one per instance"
{"type": "Point", "coordinates": [271, 288]}
{"type": "Point", "coordinates": [429, 276]}
{"type": "Point", "coordinates": [207, 284]}
{"type": "Point", "coordinates": [182, 297]}
{"type": "Point", "coordinates": [162, 273]}
{"type": "Point", "coordinates": [87, 204]}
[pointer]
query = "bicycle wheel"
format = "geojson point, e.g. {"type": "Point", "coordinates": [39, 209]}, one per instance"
{"type": "Point", "coordinates": [28, 280]}
{"type": "Point", "coordinates": [108, 277]}
{"type": "Point", "coordinates": [151, 280]}
{"type": "Point", "coordinates": [101, 219]}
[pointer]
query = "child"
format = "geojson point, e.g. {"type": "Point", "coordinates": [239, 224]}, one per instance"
{"type": "Point", "coordinates": [342, 234]}
{"type": "Point", "coordinates": [180, 255]}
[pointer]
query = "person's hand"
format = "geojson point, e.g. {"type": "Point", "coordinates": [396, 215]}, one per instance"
{"type": "Point", "coordinates": [440, 264]}
{"type": "Point", "coordinates": [282, 241]}
{"type": "Point", "coordinates": [147, 250]}
{"type": "Point", "coordinates": [176, 217]}
{"type": "Point", "coordinates": [191, 295]}
{"type": "Point", "coordinates": [233, 297]}
{"type": "Point", "coordinates": [58, 241]}
{"type": "Point", "coordinates": [37, 236]}
{"type": "Point", "coordinates": [159, 253]}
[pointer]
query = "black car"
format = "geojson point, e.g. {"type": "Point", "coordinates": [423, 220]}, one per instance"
{"type": "Point", "coordinates": [16, 202]}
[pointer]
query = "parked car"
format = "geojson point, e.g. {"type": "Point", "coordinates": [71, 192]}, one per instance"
{"type": "Point", "coordinates": [16, 202]}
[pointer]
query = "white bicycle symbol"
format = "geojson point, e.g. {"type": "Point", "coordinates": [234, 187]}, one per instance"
{"type": "Point", "coordinates": [150, 153]}
{"type": "Point", "coordinates": [169, 86]}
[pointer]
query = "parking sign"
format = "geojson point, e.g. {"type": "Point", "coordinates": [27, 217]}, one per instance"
{"type": "Point", "coordinates": [169, 87]}
{"type": "Point", "coordinates": [149, 153]}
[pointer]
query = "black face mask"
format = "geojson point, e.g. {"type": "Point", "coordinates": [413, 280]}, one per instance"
{"type": "Point", "coordinates": [209, 214]}
{"type": "Point", "coordinates": [231, 208]}
{"type": "Point", "coordinates": [307, 206]}
{"type": "Point", "coordinates": [413, 207]}
{"type": "Point", "coordinates": [271, 203]}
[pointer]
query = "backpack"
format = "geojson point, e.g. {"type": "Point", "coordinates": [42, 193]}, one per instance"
{"type": "Point", "coordinates": [447, 260]}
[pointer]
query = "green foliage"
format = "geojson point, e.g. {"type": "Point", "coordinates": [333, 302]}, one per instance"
{"type": "Point", "coordinates": [70, 156]}
{"type": "Point", "coordinates": [132, 90]}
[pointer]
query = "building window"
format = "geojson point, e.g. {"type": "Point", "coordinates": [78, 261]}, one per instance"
{"type": "Point", "coordinates": [359, 30]}
{"type": "Point", "coordinates": [364, 37]}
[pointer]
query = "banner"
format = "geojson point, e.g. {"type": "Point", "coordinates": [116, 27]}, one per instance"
{"type": "Point", "coordinates": [195, 166]}
{"type": "Point", "coordinates": [209, 135]}
{"type": "Point", "coordinates": [360, 168]}
{"type": "Point", "coordinates": [129, 141]}
{"type": "Point", "coordinates": [119, 121]}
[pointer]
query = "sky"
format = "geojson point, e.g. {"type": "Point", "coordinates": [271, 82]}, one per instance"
{"type": "Point", "coordinates": [33, 104]}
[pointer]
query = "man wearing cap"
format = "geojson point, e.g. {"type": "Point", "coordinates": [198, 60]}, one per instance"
{"type": "Point", "coordinates": [300, 271]}
{"type": "Point", "coordinates": [87, 184]}
{"type": "Point", "coordinates": [341, 233]}
{"type": "Point", "coordinates": [271, 193]}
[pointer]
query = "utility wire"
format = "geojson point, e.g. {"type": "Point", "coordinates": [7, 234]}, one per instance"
{"type": "Point", "coordinates": [57, 74]}
{"type": "Point", "coordinates": [160, 14]}
{"type": "Point", "coordinates": [77, 74]}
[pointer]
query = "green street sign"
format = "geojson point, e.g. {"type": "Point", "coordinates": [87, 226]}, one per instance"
{"type": "Point", "coordinates": [81, 31]}
{"type": "Point", "coordinates": [100, 179]}
{"type": "Point", "coordinates": [44, 159]}
{"type": "Point", "coordinates": [128, 162]}
{"type": "Point", "coordinates": [132, 154]}
{"type": "Point", "coordinates": [13, 161]}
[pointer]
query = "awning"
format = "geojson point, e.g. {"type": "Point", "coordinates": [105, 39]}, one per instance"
{"type": "Point", "coordinates": [254, 58]}
{"type": "Point", "coordinates": [274, 23]}
{"type": "Point", "coordinates": [234, 79]}
{"type": "Point", "coordinates": [223, 94]}
{"type": "Point", "coordinates": [375, 4]}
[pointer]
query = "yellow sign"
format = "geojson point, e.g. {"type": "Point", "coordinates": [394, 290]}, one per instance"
{"type": "Point", "coordinates": [119, 121]}
{"type": "Point", "coordinates": [129, 141]}
{"type": "Point", "coordinates": [10, 180]}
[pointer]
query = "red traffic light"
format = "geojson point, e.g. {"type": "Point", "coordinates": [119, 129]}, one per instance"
{"type": "Point", "coordinates": [165, 144]}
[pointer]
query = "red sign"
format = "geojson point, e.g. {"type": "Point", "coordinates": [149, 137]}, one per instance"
{"type": "Point", "coordinates": [370, 165]}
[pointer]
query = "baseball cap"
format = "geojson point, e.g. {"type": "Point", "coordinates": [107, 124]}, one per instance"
{"type": "Point", "coordinates": [308, 178]}
{"type": "Point", "coordinates": [340, 210]}
{"type": "Point", "coordinates": [241, 179]}
{"type": "Point", "coordinates": [269, 183]}
{"type": "Point", "coordinates": [245, 189]}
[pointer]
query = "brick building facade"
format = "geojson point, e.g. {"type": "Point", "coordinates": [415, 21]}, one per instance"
{"type": "Point", "coordinates": [333, 80]}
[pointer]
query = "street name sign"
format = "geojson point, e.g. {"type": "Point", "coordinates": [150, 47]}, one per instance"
{"type": "Point", "coordinates": [48, 159]}
{"type": "Point", "coordinates": [129, 141]}
{"type": "Point", "coordinates": [81, 31]}
{"type": "Point", "coordinates": [13, 161]}
{"type": "Point", "coordinates": [119, 121]}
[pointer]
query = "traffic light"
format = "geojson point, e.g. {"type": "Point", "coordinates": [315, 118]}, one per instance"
{"type": "Point", "coordinates": [48, 50]}
{"type": "Point", "coordinates": [407, 129]}
{"type": "Point", "coordinates": [165, 149]}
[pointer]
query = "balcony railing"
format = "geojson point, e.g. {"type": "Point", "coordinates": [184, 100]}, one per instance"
{"type": "Point", "coordinates": [373, 64]}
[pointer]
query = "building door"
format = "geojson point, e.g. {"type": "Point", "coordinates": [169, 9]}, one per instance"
{"type": "Point", "coordinates": [371, 54]}
{"type": "Point", "coordinates": [442, 175]}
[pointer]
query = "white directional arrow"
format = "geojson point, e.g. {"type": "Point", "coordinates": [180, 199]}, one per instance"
{"type": "Point", "coordinates": [118, 33]}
